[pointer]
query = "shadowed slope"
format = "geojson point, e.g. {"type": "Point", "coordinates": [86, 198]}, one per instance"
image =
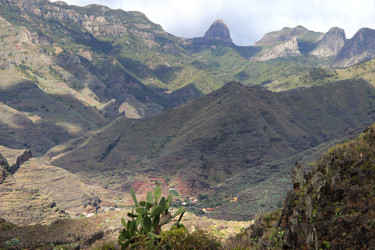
{"type": "Point", "coordinates": [214, 137]}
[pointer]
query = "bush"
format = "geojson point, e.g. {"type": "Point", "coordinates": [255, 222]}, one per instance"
{"type": "Point", "coordinates": [179, 238]}
{"type": "Point", "coordinates": [200, 239]}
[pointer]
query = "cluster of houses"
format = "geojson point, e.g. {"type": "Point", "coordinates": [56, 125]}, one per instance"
{"type": "Point", "coordinates": [188, 202]}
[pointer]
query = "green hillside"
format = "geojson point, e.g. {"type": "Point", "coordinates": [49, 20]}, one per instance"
{"type": "Point", "coordinates": [235, 129]}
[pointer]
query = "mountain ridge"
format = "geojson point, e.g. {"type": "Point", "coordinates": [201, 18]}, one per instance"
{"type": "Point", "coordinates": [358, 49]}
{"type": "Point", "coordinates": [204, 142]}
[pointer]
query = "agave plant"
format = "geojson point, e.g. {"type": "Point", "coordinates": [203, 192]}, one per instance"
{"type": "Point", "coordinates": [147, 218]}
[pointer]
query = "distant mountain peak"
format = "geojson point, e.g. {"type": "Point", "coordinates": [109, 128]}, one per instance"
{"type": "Point", "coordinates": [286, 34]}
{"type": "Point", "coordinates": [218, 31]}
{"type": "Point", "coordinates": [331, 43]}
{"type": "Point", "coordinates": [358, 49]}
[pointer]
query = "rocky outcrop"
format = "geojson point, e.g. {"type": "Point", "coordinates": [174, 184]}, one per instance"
{"type": "Point", "coordinates": [15, 158]}
{"type": "Point", "coordinates": [4, 167]}
{"type": "Point", "coordinates": [358, 49]}
{"type": "Point", "coordinates": [287, 49]}
{"type": "Point", "coordinates": [286, 34]}
{"type": "Point", "coordinates": [25, 156]}
{"type": "Point", "coordinates": [333, 206]}
{"type": "Point", "coordinates": [331, 43]}
{"type": "Point", "coordinates": [218, 31]}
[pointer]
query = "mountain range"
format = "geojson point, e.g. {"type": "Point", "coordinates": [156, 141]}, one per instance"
{"type": "Point", "coordinates": [107, 100]}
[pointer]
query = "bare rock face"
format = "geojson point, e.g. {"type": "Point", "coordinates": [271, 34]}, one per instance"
{"type": "Point", "coordinates": [286, 34]}
{"type": "Point", "coordinates": [358, 49]}
{"type": "Point", "coordinates": [331, 43]}
{"type": "Point", "coordinates": [218, 31]}
{"type": "Point", "coordinates": [289, 48]}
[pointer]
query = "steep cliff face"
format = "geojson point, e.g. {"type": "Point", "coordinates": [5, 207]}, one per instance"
{"type": "Point", "coordinates": [334, 205]}
{"type": "Point", "coordinates": [287, 49]}
{"type": "Point", "coordinates": [218, 31]}
{"type": "Point", "coordinates": [331, 43]}
{"type": "Point", "coordinates": [358, 49]}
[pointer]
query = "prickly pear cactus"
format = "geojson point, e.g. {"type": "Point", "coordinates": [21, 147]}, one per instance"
{"type": "Point", "coordinates": [146, 219]}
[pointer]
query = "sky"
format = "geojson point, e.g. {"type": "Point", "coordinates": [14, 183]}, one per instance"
{"type": "Point", "coordinates": [249, 20]}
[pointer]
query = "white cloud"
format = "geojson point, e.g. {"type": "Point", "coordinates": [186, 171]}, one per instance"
{"type": "Point", "coordinates": [248, 20]}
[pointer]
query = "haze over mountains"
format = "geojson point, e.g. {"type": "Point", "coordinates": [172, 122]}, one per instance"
{"type": "Point", "coordinates": [109, 99]}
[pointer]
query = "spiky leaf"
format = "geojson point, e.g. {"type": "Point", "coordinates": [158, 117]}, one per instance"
{"type": "Point", "coordinates": [162, 204]}
{"type": "Point", "coordinates": [126, 234]}
{"type": "Point", "coordinates": [168, 201]}
{"type": "Point", "coordinates": [123, 222]}
{"type": "Point", "coordinates": [138, 220]}
{"type": "Point", "coordinates": [180, 210]}
{"type": "Point", "coordinates": [157, 194]}
{"type": "Point", "coordinates": [140, 210]}
{"type": "Point", "coordinates": [134, 197]}
{"type": "Point", "coordinates": [149, 197]}
{"type": "Point", "coordinates": [146, 203]}
{"type": "Point", "coordinates": [155, 222]}
{"type": "Point", "coordinates": [122, 237]}
{"type": "Point", "coordinates": [133, 226]}
{"type": "Point", "coordinates": [156, 211]}
{"type": "Point", "coordinates": [147, 223]}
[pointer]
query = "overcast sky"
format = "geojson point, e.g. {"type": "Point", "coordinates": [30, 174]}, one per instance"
{"type": "Point", "coordinates": [249, 20]}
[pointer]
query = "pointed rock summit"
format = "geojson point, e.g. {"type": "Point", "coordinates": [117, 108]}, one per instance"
{"type": "Point", "coordinates": [218, 31]}
{"type": "Point", "coordinates": [331, 43]}
{"type": "Point", "coordinates": [358, 49]}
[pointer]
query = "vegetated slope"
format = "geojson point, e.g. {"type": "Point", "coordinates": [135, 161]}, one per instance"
{"type": "Point", "coordinates": [266, 186]}
{"type": "Point", "coordinates": [306, 38]}
{"type": "Point", "coordinates": [331, 207]}
{"type": "Point", "coordinates": [19, 131]}
{"type": "Point", "coordinates": [121, 63]}
{"type": "Point", "coordinates": [214, 137]}
{"type": "Point", "coordinates": [88, 56]}
{"type": "Point", "coordinates": [321, 75]}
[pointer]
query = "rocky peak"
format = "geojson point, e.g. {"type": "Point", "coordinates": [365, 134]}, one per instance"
{"type": "Point", "coordinates": [286, 34]}
{"type": "Point", "coordinates": [358, 49]}
{"type": "Point", "coordinates": [331, 43]}
{"type": "Point", "coordinates": [218, 31]}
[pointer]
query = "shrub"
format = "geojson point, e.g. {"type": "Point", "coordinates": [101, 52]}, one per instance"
{"type": "Point", "coordinates": [200, 239]}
